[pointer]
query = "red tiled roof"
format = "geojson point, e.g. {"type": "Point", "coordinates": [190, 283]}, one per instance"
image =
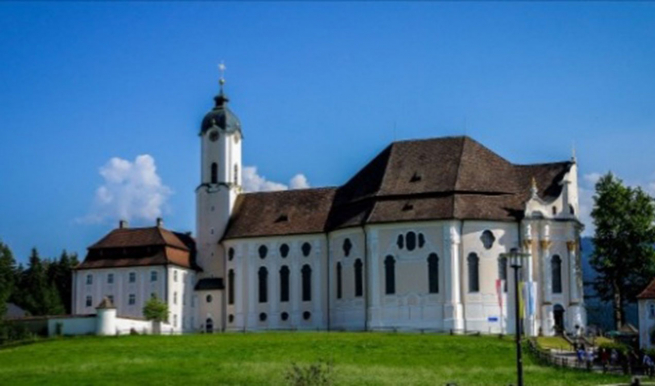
{"type": "Point", "coordinates": [130, 247]}
{"type": "Point", "coordinates": [138, 237]}
{"type": "Point", "coordinates": [648, 292]}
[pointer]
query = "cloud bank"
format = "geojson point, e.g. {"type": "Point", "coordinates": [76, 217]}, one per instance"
{"type": "Point", "coordinates": [130, 191]}
{"type": "Point", "coordinates": [254, 182]}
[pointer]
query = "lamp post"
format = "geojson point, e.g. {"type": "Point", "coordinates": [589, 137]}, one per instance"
{"type": "Point", "coordinates": [515, 259]}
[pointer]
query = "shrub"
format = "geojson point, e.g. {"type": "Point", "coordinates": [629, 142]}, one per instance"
{"type": "Point", "coordinates": [620, 347]}
{"type": "Point", "coordinates": [314, 374]}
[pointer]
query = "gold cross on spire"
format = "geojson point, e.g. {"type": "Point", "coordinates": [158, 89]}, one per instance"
{"type": "Point", "coordinates": [221, 68]}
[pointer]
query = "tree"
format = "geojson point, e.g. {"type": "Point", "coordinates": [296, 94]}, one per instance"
{"type": "Point", "coordinates": [623, 255]}
{"type": "Point", "coordinates": [60, 275]}
{"type": "Point", "coordinates": [155, 310]}
{"type": "Point", "coordinates": [37, 293]}
{"type": "Point", "coordinates": [7, 277]}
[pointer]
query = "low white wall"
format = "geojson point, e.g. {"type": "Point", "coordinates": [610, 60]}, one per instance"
{"type": "Point", "coordinates": [75, 325]}
{"type": "Point", "coordinates": [88, 325]}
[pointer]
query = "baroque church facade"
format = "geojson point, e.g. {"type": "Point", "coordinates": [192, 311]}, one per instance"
{"type": "Point", "coordinates": [413, 241]}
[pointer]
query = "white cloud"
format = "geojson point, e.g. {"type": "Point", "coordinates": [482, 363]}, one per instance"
{"type": "Point", "coordinates": [591, 178]}
{"type": "Point", "coordinates": [253, 182]}
{"type": "Point", "coordinates": [299, 181]}
{"type": "Point", "coordinates": [130, 191]}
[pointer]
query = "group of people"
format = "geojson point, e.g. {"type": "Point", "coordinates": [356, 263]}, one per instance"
{"type": "Point", "coordinates": [612, 357]}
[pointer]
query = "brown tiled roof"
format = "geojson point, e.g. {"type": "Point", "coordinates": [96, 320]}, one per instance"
{"type": "Point", "coordinates": [280, 213]}
{"type": "Point", "coordinates": [648, 292]}
{"type": "Point", "coordinates": [130, 247]}
{"type": "Point", "coordinates": [432, 179]}
{"type": "Point", "coordinates": [138, 237]}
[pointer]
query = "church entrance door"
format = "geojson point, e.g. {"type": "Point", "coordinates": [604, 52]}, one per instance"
{"type": "Point", "coordinates": [558, 313]}
{"type": "Point", "coordinates": [209, 326]}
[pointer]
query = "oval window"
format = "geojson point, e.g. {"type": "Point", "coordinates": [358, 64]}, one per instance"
{"type": "Point", "coordinates": [411, 241]}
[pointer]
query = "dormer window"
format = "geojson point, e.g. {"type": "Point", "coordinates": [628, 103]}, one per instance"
{"type": "Point", "coordinates": [415, 177]}
{"type": "Point", "coordinates": [282, 218]}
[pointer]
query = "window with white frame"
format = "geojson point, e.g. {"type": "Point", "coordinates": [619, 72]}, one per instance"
{"type": "Point", "coordinates": [89, 279]}
{"type": "Point", "coordinates": [132, 299]}
{"type": "Point", "coordinates": [175, 275]}
{"type": "Point", "coordinates": [174, 297]}
{"type": "Point", "coordinates": [153, 275]}
{"type": "Point", "coordinates": [110, 278]}
{"type": "Point", "coordinates": [132, 277]}
{"type": "Point", "coordinates": [89, 301]}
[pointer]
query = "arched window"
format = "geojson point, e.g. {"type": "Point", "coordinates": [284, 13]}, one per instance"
{"type": "Point", "coordinates": [474, 274]}
{"type": "Point", "coordinates": [359, 279]}
{"type": "Point", "coordinates": [390, 275]}
{"type": "Point", "coordinates": [571, 209]}
{"type": "Point", "coordinates": [263, 285]}
{"type": "Point", "coordinates": [284, 250]}
{"type": "Point", "coordinates": [214, 176]}
{"type": "Point", "coordinates": [421, 240]}
{"type": "Point", "coordinates": [306, 283]}
{"type": "Point", "coordinates": [433, 273]}
{"type": "Point", "coordinates": [411, 241]}
{"type": "Point", "coordinates": [230, 254]}
{"type": "Point", "coordinates": [263, 251]}
{"type": "Point", "coordinates": [400, 242]}
{"type": "Point", "coordinates": [236, 174]}
{"type": "Point", "coordinates": [338, 280]}
{"type": "Point", "coordinates": [284, 284]}
{"type": "Point", "coordinates": [502, 271]}
{"type": "Point", "coordinates": [347, 246]}
{"type": "Point", "coordinates": [557, 274]}
{"type": "Point", "coordinates": [306, 249]}
{"type": "Point", "coordinates": [230, 287]}
{"type": "Point", "coordinates": [554, 210]}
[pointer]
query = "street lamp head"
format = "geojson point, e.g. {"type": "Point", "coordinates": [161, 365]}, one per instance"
{"type": "Point", "coordinates": [515, 257]}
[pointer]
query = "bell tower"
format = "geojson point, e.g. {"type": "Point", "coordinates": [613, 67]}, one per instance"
{"type": "Point", "coordinates": [220, 181]}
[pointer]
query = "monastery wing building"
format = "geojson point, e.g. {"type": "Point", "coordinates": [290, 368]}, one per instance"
{"type": "Point", "coordinates": [410, 242]}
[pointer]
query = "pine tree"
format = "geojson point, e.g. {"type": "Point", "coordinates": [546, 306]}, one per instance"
{"type": "Point", "coordinates": [623, 253]}
{"type": "Point", "coordinates": [7, 277]}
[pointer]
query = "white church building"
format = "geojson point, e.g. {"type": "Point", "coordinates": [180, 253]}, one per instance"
{"type": "Point", "coordinates": [411, 242]}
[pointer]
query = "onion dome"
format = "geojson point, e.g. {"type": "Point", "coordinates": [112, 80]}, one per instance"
{"type": "Point", "coordinates": [221, 116]}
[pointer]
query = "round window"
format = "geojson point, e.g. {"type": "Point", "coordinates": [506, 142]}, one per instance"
{"type": "Point", "coordinates": [262, 317]}
{"type": "Point", "coordinates": [209, 298]}
{"type": "Point", "coordinates": [284, 250]}
{"type": "Point", "coordinates": [284, 316]}
{"type": "Point", "coordinates": [306, 315]}
{"type": "Point", "coordinates": [263, 251]}
{"type": "Point", "coordinates": [306, 249]}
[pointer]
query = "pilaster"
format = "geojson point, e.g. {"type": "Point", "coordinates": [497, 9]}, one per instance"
{"type": "Point", "coordinates": [453, 310]}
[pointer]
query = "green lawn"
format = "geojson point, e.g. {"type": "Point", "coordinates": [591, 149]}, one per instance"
{"type": "Point", "coordinates": [556, 342]}
{"type": "Point", "coordinates": [264, 358]}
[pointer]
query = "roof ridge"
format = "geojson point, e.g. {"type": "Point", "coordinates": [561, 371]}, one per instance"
{"type": "Point", "coordinates": [290, 190]}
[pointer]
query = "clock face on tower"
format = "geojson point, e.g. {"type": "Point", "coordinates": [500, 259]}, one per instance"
{"type": "Point", "coordinates": [213, 136]}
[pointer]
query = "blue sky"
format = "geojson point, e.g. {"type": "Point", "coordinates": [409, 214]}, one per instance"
{"type": "Point", "coordinates": [320, 88]}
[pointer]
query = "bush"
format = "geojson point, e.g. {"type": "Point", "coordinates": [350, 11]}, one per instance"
{"type": "Point", "coordinates": [10, 332]}
{"type": "Point", "coordinates": [620, 347]}
{"type": "Point", "coordinates": [315, 374]}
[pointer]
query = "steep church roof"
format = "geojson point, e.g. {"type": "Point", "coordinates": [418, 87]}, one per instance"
{"type": "Point", "coordinates": [128, 247]}
{"type": "Point", "coordinates": [432, 179]}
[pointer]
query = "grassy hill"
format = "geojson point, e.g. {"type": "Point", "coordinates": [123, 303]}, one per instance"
{"type": "Point", "coordinates": [265, 358]}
